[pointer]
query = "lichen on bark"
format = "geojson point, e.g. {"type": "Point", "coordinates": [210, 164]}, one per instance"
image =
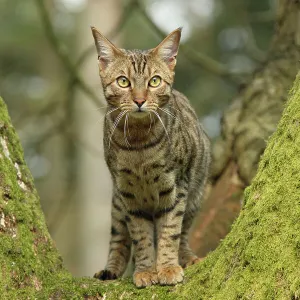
{"type": "Point", "coordinates": [245, 127]}
{"type": "Point", "coordinates": [259, 259]}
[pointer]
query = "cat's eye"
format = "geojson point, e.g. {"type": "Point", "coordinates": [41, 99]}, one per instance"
{"type": "Point", "coordinates": [155, 81]}
{"type": "Point", "coordinates": [123, 82]}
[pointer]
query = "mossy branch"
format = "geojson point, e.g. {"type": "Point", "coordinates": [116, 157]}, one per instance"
{"type": "Point", "coordinates": [259, 259]}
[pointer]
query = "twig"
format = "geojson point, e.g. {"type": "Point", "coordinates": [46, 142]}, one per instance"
{"type": "Point", "coordinates": [112, 34]}
{"type": "Point", "coordinates": [196, 57]}
{"type": "Point", "coordinates": [81, 59]}
{"type": "Point", "coordinates": [58, 128]}
{"type": "Point", "coordinates": [70, 164]}
{"type": "Point", "coordinates": [263, 16]}
{"type": "Point", "coordinates": [41, 112]}
{"type": "Point", "coordinates": [62, 55]}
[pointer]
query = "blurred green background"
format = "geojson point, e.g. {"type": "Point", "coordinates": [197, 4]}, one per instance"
{"type": "Point", "coordinates": [49, 80]}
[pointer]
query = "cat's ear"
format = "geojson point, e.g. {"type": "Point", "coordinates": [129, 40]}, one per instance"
{"type": "Point", "coordinates": [107, 52]}
{"type": "Point", "coordinates": [167, 50]}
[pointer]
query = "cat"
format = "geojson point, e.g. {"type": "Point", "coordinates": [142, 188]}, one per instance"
{"type": "Point", "coordinates": [158, 156]}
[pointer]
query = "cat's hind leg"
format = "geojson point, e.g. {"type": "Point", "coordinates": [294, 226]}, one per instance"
{"type": "Point", "coordinates": [186, 255]}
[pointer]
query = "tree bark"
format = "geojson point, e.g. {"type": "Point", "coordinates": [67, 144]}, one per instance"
{"type": "Point", "coordinates": [94, 184]}
{"type": "Point", "coordinates": [246, 125]}
{"type": "Point", "coordinates": [259, 259]}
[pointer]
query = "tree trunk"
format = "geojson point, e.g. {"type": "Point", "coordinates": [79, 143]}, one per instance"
{"type": "Point", "coordinates": [94, 187]}
{"type": "Point", "coordinates": [259, 259]}
{"type": "Point", "coordinates": [246, 125]}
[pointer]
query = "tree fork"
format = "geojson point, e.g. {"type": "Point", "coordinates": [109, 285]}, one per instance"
{"type": "Point", "coordinates": [246, 126]}
{"type": "Point", "coordinates": [259, 259]}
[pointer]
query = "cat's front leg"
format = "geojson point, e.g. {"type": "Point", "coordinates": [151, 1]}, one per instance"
{"type": "Point", "coordinates": [141, 229]}
{"type": "Point", "coordinates": [168, 224]}
{"type": "Point", "coordinates": [120, 244]}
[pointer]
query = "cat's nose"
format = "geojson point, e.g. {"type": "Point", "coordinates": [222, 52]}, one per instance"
{"type": "Point", "coordinates": [139, 101]}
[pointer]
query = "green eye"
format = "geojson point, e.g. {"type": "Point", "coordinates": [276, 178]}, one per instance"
{"type": "Point", "coordinates": [123, 82]}
{"type": "Point", "coordinates": [155, 81]}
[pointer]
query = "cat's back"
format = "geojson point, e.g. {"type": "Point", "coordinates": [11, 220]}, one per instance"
{"type": "Point", "coordinates": [182, 108]}
{"type": "Point", "coordinates": [191, 140]}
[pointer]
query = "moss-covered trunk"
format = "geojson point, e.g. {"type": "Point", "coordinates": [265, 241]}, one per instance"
{"type": "Point", "coordinates": [259, 259]}
{"type": "Point", "coordinates": [246, 126]}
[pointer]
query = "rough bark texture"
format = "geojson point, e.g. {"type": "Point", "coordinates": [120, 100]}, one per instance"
{"type": "Point", "coordinates": [259, 259]}
{"type": "Point", "coordinates": [246, 125]}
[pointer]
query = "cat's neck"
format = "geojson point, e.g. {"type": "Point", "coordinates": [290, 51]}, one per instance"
{"type": "Point", "coordinates": [135, 132]}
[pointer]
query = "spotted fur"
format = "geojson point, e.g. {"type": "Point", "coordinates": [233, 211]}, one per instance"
{"type": "Point", "coordinates": [158, 156]}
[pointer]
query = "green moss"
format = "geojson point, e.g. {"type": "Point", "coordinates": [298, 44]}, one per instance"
{"type": "Point", "coordinates": [27, 254]}
{"type": "Point", "coordinates": [259, 259]}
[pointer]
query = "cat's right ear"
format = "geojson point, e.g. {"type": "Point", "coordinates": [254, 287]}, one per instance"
{"type": "Point", "coordinates": [107, 52]}
{"type": "Point", "coordinates": [167, 50]}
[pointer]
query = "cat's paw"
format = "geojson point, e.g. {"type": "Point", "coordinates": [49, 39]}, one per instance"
{"type": "Point", "coordinates": [193, 260]}
{"type": "Point", "coordinates": [145, 278]}
{"type": "Point", "coordinates": [105, 275]}
{"type": "Point", "coordinates": [170, 275]}
{"type": "Point", "coordinates": [190, 261]}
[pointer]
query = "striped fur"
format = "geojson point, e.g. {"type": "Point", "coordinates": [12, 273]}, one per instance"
{"type": "Point", "coordinates": [158, 156]}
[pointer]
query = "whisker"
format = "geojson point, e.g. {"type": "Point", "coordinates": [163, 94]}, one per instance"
{"type": "Point", "coordinates": [176, 109]}
{"type": "Point", "coordinates": [128, 126]}
{"type": "Point", "coordinates": [111, 111]}
{"type": "Point", "coordinates": [125, 137]}
{"type": "Point", "coordinates": [159, 118]}
{"type": "Point", "coordinates": [101, 107]}
{"type": "Point", "coordinates": [118, 119]}
{"type": "Point", "coordinates": [121, 114]}
{"type": "Point", "coordinates": [168, 112]}
{"type": "Point", "coordinates": [108, 113]}
{"type": "Point", "coordinates": [171, 115]}
{"type": "Point", "coordinates": [150, 122]}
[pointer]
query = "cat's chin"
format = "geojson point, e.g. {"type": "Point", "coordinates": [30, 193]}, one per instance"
{"type": "Point", "coordinates": [139, 114]}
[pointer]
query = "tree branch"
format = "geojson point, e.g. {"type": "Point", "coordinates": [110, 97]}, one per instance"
{"type": "Point", "coordinates": [62, 55]}
{"type": "Point", "coordinates": [195, 57]}
{"type": "Point", "coordinates": [259, 259]}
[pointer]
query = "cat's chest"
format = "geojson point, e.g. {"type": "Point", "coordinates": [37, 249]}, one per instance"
{"type": "Point", "coordinates": [141, 162]}
{"type": "Point", "coordinates": [141, 167]}
{"type": "Point", "coordinates": [143, 177]}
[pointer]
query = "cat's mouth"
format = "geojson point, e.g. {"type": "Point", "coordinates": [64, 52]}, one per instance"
{"type": "Point", "coordinates": [139, 113]}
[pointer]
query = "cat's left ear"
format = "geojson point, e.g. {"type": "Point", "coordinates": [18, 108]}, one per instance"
{"type": "Point", "coordinates": [167, 50]}
{"type": "Point", "coordinates": [107, 51]}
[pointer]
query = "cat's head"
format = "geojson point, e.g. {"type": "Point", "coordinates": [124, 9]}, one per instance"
{"type": "Point", "coordinates": [135, 80]}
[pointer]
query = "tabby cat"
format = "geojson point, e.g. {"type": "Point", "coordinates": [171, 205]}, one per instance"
{"type": "Point", "coordinates": [158, 156]}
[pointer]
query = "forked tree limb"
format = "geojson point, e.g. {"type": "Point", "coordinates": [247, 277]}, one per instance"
{"type": "Point", "coordinates": [259, 258]}
{"type": "Point", "coordinates": [246, 125]}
